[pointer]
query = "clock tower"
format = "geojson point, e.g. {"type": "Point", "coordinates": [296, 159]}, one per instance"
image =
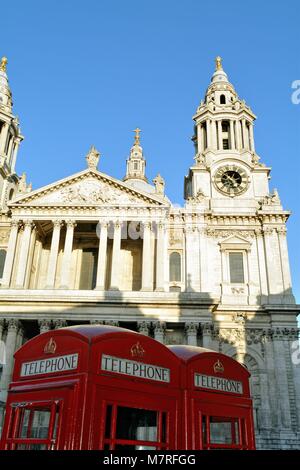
{"type": "Point", "coordinates": [226, 165]}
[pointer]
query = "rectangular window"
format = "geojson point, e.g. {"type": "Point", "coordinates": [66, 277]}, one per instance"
{"type": "Point", "coordinates": [236, 267]}
{"type": "Point", "coordinates": [88, 272]}
{"type": "Point", "coordinates": [225, 144]}
{"type": "Point", "coordinates": [135, 429]}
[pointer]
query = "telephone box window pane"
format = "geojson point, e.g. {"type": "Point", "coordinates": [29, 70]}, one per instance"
{"type": "Point", "coordinates": [40, 424]}
{"type": "Point", "coordinates": [135, 424]}
{"type": "Point", "coordinates": [223, 430]}
{"type": "Point", "coordinates": [108, 421]}
{"type": "Point", "coordinates": [35, 424]}
{"type": "Point", "coordinates": [236, 268]}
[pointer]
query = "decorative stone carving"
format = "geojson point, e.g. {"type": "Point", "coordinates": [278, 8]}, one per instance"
{"type": "Point", "coordinates": [45, 325]}
{"type": "Point", "coordinates": [200, 159]}
{"type": "Point", "coordinates": [59, 324]}
{"type": "Point", "coordinates": [143, 327]}
{"type": "Point", "coordinates": [191, 328]}
{"type": "Point", "coordinates": [239, 318]}
{"type": "Point", "coordinates": [23, 187]}
{"type": "Point", "coordinates": [13, 324]}
{"type": "Point", "coordinates": [159, 183]}
{"type": "Point", "coordinates": [199, 197]}
{"type": "Point", "coordinates": [89, 190]}
{"type": "Point", "coordinates": [271, 200]}
{"type": "Point", "coordinates": [237, 290]}
{"type": "Point", "coordinates": [4, 237]}
{"type": "Point", "coordinates": [219, 233]}
{"type": "Point", "coordinates": [92, 158]}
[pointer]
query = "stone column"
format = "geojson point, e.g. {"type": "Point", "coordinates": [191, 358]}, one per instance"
{"type": "Point", "coordinates": [3, 137]}
{"type": "Point", "coordinates": [204, 285]}
{"type": "Point", "coordinates": [11, 339]}
{"type": "Point", "coordinates": [232, 141]}
{"type": "Point", "coordinates": [214, 135]}
{"type": "Point", "coordinates": [116, 257]}
{"type": "Point", "coordinates": [261, 266]}
{"type": "Point", "coordinates": [208, 133]}
{"type": "Point", "coordinates": [200, 144]}
{"type": "Point", "coordinates": [245, 139]}
{"type": "Point", "coordinates": [66, 261]}
{"type": "Point", "coordinates": [24, 251]}
{"type": "Point", "coordinates": [11, 249]}
{"type": "Point", "coordinates": [192, 260]}
{"type": "Point", "coordinates": [274, 268]}
{"type": "Point", "coordinates": [45, 325]}
{"type": "Point", "coordinates": [53, 253]}
{"type": "Point", "coordinates": [101, 267]}
{"type": "Point", "coordinates": [14, 158]}
{"type": "Point", "coordinates": [147, 281]}
{"type": "Point", "coordinates": [237, 135]}
{"type": "Point", "coordinates": [220, 140]}
{"type": "Point", "coordinates": [265, 413]}
{"type": "Point", "coordinates": [206, 335]}
{"type": "Point", "coordinates": [160, 258]}
{"type": "Point", "coordinates": [272, 386]}
{"type": "Point", "coordinates": [285, 265]}
{"type": "Point", "coordinates": [143, 328]}
{"type": "Point", "coordinates": [252, 145]}
{"type": "Point", "coordinates": [2, 345]}
{"type": "Point", "coordinates": [281, 378]}
{"type": "Point", "coordinates": [159, 331]}
{"type": "Point", "coordinates": [191, 330]}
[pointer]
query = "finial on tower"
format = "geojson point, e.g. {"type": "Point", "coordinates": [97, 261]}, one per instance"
{"type": "Point", "coordinates": [3, 64]}
{"type": "Point", "coordinates": [137, 136]}
{"type": "Point", "coordinates": [219, 63]}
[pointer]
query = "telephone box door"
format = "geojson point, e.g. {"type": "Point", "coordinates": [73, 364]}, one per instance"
{"type": "Point", "coordinates": [218, 426]}
{"type": "Point", "coordinates": [38, 420]}
{"type": "Point", "coordinates": [125, 420]}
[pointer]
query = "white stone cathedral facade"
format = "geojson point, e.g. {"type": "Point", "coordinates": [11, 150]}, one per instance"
{"type": "Point", "coordinates": [215, 273]}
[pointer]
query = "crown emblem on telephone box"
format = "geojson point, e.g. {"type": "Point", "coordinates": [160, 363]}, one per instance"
{"type": "Point", "coordinates": [50, 347]}
{"type": "Point", "coordinates": [218, 367]}
{"type": "Point", "coordinates": [137, 350]}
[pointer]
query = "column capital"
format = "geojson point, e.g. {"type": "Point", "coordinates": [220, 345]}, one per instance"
{"type": "Point", "coordinates": [159, 327]}
{"type": "Point", "coordinates": [70, 223]}
{"type": "Point", "coordinates": [28, 223]}
{"type": "Point", "coordinates": [13, 324]}
{"type": "Point", "coordinates": [281, 230]}
{"type": "Point", "coordinates": [191, 328]}
{"type": "Point", "coordinates": [15, 223]}
{"type": "Point", "coordinates": [57, 223]}
{"type": "Point", "coordinates": [45, 325]}
{"type": "Point", "coordinates": [143, 327]}
{"type": "Point", "coordinates": [59, 324]}
{"type": "Point", "coordinates": [111, 323]}
{"type": "Point", "coordinates": [207, 328]}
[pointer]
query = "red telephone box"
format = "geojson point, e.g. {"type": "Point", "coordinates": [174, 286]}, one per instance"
{"type": "Point", "coordinates": [103, 387]}
{"type": "Point", "coordinates": [93, 387]}
{"type": "Point", "coordinates": [217, 402]}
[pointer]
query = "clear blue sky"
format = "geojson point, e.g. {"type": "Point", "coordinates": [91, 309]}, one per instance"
{"type": "Point", "coordinates": [89, 72]}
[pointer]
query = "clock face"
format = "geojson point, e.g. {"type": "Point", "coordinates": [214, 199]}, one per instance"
{"type": "Point", "coordinates": [231, 180]}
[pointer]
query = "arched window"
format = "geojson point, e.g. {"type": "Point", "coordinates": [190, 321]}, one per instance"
{"type": "Point", "coordinates": [175, 267]}
{"type": "Point", "coordinates": [2, 261]}
{"type": "Point", "coordinates": [222, 99]}
{"type": "Point", "coordinates": [11, 193]}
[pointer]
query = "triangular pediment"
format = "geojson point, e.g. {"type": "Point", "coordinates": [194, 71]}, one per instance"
{"type": "Point", "coordinates": [88, 188]}
{"type": "Point", "coordinates": [235, 242]}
